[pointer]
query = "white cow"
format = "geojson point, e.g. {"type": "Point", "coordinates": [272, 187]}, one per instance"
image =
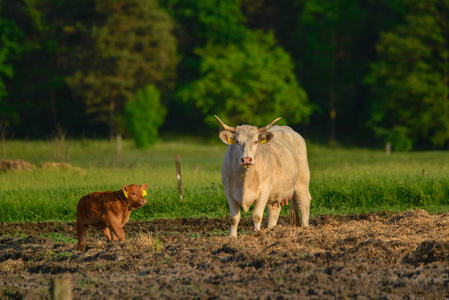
{"type": "Point", "coordinates": [266, 166]}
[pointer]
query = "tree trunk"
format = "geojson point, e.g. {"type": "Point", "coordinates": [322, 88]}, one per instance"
{"type": "Point", "coordinates": [332, 94]}
{"type": "Point", "coordinates": [111, 121]}
{"type": "Point", "coordinates": [332, 115]}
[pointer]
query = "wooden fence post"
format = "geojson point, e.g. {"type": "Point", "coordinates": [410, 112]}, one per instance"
{"type": "Point", "coordinates": [178, 176]}
{"type": "Point", "coordinates": [61, 289]}
{"type": "Point", "coordinates": [119, 144]}
{"type": "Point", "coordinates": [388, 148]}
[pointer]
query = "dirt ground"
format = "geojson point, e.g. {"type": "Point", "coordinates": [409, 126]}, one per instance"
{"type": "Point", "coordinates": [368, 256]}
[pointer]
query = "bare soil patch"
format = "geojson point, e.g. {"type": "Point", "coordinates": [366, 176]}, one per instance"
{"type": "Point", "coordinates": [368, 256]}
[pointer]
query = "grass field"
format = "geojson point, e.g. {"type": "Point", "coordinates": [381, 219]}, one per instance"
{"type": "Point", "coordinates": [344, 181]}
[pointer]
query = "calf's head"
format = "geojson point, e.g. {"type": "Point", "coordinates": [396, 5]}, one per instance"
{"type": "Point", "coordinates": [134, 195]}
{"type": "Point", "coordinates": [246, 139]}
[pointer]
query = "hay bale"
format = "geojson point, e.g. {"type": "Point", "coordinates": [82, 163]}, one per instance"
{"type": "Point", "coordinates": [61, 166]}
{"type": "Point", "coordinates": [15, 164]}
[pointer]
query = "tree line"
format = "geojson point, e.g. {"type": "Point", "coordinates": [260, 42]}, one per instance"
{"type": "Point", "coordinates": [362, 72]}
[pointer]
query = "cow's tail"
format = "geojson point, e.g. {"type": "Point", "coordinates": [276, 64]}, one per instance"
{"type": "Point", "coordinates": [294, 212]}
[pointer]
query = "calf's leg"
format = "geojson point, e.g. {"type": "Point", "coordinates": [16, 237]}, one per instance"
{"type": "Point", "coordinates": [113, 236]}
{"type": "Point", "coordinates": [120, 234]}
{"type": "Point", "coordinates": [81, 232]}
{"type": "Point", "coordinates": [107, 233]}
{"type": "Point", "coordinates": [117, 229]}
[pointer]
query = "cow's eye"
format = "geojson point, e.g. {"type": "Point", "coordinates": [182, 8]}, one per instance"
{"type": "Point", "coordinates": [255, 142]}
{"type": "Point", "coordinates": [237, 142]}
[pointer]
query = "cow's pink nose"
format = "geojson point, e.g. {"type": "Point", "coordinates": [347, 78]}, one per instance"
{"type": "Point", "coordinates": [247, 160]}
{"type": "Point", "coordinates": [144, 201]}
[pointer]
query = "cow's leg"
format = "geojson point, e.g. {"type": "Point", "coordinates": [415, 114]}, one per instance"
{"type": "Point", "coordinates": [234, 210]}
{"type": "Point", "coordinates": [303, 198]}
{"type": "Point", "coordinates": [273, 214]}
{"type": "Point", "coordinates": [259, 208]}
{"type": "Point", "coordinates": [81, 231]}
{"type": "Point", "coordinates": [107, 233]}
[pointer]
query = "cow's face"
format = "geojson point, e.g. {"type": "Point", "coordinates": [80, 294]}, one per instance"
{"type": "Point", "coordinates": [246, 139]}
{"type": "Point", "coordinates": [134, 195]}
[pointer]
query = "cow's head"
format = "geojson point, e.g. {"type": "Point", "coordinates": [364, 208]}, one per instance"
{"type": "Point", "coordinates": [134, 195]}
{"type": "Point", "coordinates": [246, 138]}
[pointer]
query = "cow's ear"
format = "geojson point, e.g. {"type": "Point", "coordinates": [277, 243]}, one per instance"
{"type": "Point", "coordinates": [227, 137]}
{"type": "Point", "coordinates": [125, 191]}
{"type": "Point", "coordinates": [265, 137]}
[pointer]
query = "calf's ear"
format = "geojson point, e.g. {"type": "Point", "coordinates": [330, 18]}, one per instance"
{"type": "Point", "coordinates": [144, 186]}
{"type": "Point", "coordinates": [265, 137]}
{"type": "Point", "coordinates": [227, 137]}
{"type": "Point", "coordinates": [125, 191]}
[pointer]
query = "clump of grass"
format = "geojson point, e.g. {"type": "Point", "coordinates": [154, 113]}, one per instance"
{"type": "Point", "coordinates": [10, 265]}
{"type": "Point", "coordinates": [217, 232]}
{"type": "Point", "coordinates": [150, 240]}
{"type": "Point", "coordinates": [59, 238]}
{"type": "Point", "coordinates": [61, 146]}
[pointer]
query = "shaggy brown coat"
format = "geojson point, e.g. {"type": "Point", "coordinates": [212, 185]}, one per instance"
{"type": "Point", "coordinates": [108, 211]}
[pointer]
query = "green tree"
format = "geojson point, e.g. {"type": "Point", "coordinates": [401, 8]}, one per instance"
{"type": "Point", "coordinates": [249, 83]}
{"type": "Point", "coordinates": [331, 44]}
{"type": "Point", "coordinates": [198, 23]}
{"type": "Point", "coordinates": [330, 64]}
{"type": "Point", "coordinates": [144, 115]}
{"type": "Point", "coordinates": [202, 21]}
{"type": "Point", "coordinates": [38, 96]}
{"type": "Point", "coordinates": [10, 38]}
{"type": "Point", "coordinates": [410, 80]}
{"type": "Point", "coordinates": [134, 47]}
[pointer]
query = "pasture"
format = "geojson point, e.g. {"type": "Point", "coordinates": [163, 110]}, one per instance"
{"type": "Point", "coordinates": [371, 234]}
{"type": "Point", "coordinates": [343, 181]}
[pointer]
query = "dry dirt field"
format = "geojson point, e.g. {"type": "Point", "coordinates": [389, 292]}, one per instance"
{"type": "Point", "coordinates": [368, 256]}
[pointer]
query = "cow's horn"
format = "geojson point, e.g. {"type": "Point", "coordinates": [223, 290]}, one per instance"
{"type": "Point", "coordinates": [232, 129]}
{"type": "Point", "coordinates": [262, 129]}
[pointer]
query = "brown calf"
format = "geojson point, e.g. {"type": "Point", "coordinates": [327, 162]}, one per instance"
{"type": "Point", "coordinates": [108, 211]}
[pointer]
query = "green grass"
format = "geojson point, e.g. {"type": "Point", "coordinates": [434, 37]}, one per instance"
{"type": "Point", "coordinates": [352, 181]}
{"type": "Point", "coordinates": [344, 181]}
{"type": "Point", "coordinates": [59, 238]}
